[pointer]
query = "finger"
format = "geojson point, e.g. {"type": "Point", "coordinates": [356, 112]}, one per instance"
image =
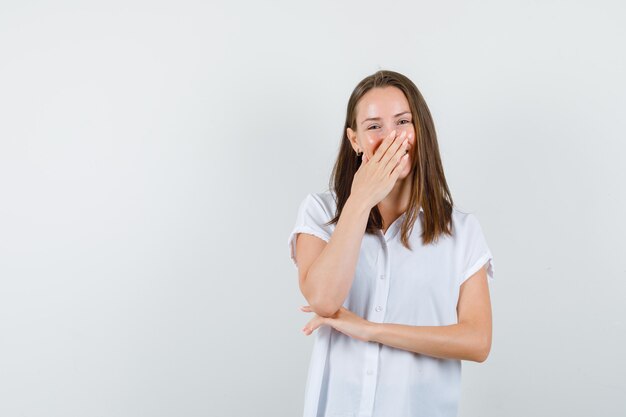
{"type": "Point", "coordinates": [311, 326]}
{"type": "Point", "coordinates": [305, 308]}
{"type": "Point", "coordinates": [306, 326]}
{"type": "Point", "coordinates": [392, 147]}
{"type": "Point", "coordinates": [395, 173]}
{"type": "Point", "coordinates": [397, 149]}
{"type": "Point", "coordinates": [382, 148]}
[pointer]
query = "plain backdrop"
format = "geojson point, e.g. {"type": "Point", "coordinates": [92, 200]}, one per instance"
{"type": "Point", "coordinates": [153, 155]}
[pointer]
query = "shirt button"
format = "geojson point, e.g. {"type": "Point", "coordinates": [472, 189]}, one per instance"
{"type": "Point", "coordinates": [369, 372]}
{"type": "Point", "coordinates": [381, 276]}
{"type": "Point", "coordinates": [378, 308]}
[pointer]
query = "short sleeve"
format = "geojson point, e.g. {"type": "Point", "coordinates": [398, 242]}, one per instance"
{"type": "Point", "coordinates": [475, 250]}
{"type": "Point", "coordinates": [310, 219]}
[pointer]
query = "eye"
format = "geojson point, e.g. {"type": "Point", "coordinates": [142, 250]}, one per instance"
{"type": "Point", "coordinates": [405, 120]}
{"type": "Point", "coordinates": [371, 127]}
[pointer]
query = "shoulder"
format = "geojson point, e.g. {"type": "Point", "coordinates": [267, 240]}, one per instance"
{"type": "Point", "coordinates": [324, 200]}
{"type": "Point", "coordinates": [464, 223]}
{"type": "Point", "coordinates": [472, 245]}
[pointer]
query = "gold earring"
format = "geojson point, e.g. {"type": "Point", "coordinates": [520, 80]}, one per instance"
{"type": "Point", "coordinates": [359, 153]}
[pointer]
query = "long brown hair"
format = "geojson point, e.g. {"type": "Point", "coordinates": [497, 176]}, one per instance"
{"type": "Point", "coordinates": [429, 189]}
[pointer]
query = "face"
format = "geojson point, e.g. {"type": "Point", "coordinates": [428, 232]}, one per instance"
{"type": "Point", "coordinates": [379, 111]}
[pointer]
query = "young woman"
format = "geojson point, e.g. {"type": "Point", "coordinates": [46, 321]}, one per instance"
{"type": "Point", "coordinates": [395, 275]}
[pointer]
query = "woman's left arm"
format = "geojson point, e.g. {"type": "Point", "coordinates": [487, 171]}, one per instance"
{"type": "Point", "coordinates": [469, 339]}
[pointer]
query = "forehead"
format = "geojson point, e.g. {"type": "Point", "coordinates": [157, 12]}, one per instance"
{"type": "Point", "coordinates": [382, 101]}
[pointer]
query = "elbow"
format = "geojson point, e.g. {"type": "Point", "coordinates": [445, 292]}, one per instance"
{"type": "Point", "coordinates": [481, 356]}
{"type": "Point", "coordinates": [477, 344]}
{"type": "Point", "coordinates": [482, 351]}
{"type": "Point", "coordinates": [323, 308]}
{"type": "Point", "coordinates": [480, 344]}
{"type": "Point", "coordinates": [320, 302]}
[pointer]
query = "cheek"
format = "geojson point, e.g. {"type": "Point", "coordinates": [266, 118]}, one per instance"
{"type": "Point", "coordinates": [409, 129]}
{"type": "Point", "coordinates": [372, 138]}
{"type": "Point", "coordinates": [372, 142]}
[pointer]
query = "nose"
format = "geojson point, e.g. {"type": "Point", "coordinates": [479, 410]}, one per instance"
{"type": "Point", "coordinates": [399, 129]}
{"type": "Point", "coordinates": [387, 131]}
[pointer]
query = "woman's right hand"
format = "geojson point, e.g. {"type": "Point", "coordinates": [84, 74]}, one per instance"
{"type": "Point", "coordinates": [376, 177]}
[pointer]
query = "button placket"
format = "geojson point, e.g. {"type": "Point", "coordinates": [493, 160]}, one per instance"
{"type": "Point", "coordinates": [366, 407]}
{"type": "Point", "coordinates": [382, 286]}
{"type": "Point", "coordinates": [381, 292]}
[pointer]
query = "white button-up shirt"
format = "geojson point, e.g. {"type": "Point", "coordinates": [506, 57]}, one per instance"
{"type": "Point", "coordinates": [350, 377]}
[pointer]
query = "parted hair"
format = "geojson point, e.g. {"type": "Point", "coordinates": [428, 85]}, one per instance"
{"type": "Point", "coordinates": [429, 189]}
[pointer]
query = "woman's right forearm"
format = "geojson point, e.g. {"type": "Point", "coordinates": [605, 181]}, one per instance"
{"type": "Point", "coordinates": [330, 277]}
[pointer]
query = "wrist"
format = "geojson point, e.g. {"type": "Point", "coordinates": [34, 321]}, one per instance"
{"type": "Point", "coordinates": [359, 206]}
{"type": "Point", "coordinates": [373, 332]}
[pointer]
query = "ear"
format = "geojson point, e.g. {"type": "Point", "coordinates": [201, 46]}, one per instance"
{"type": "Point", "coordinates": [352, 138]}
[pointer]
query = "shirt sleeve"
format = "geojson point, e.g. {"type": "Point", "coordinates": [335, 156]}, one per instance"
{"type": "Point", "coordinates": [476, 251]}
{"type": "Point", "coordinates": [310, 219]}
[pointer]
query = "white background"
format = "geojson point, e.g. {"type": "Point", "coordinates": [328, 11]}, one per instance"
{"type": "Point", "coordinates": [153, 154]}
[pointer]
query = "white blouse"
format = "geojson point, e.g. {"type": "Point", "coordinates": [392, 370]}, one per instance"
{"type": "Point", "coordinates": [350, 377]}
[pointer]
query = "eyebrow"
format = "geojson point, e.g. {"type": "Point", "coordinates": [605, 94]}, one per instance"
{"type": "Point", "coordinates": [378, 118]}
